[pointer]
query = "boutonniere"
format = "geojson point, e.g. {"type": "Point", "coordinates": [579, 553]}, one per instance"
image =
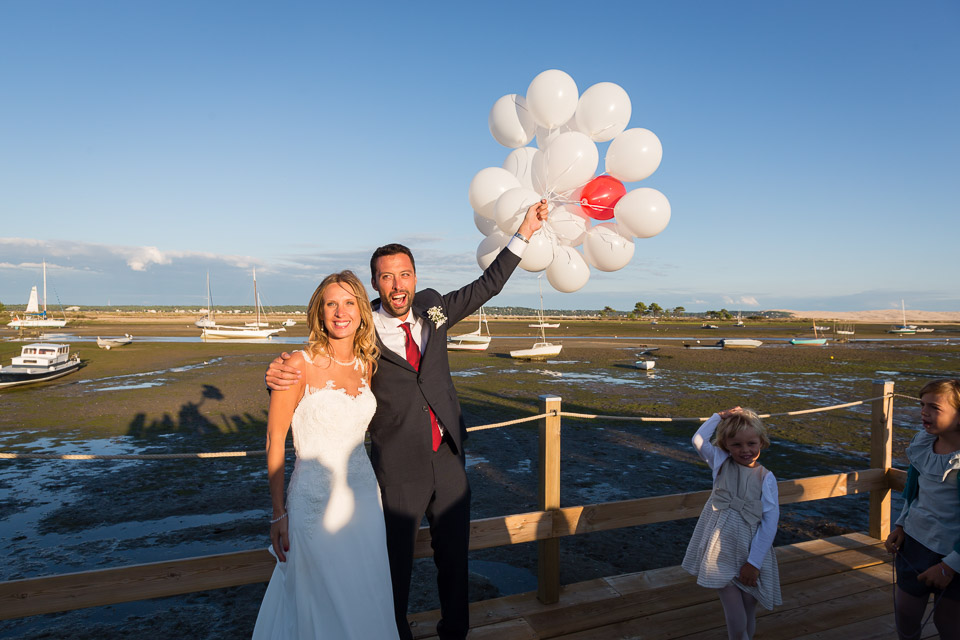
{"type": "Point", "coordinates": [436, 315]}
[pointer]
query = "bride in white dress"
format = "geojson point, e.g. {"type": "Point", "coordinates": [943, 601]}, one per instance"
{"type": "Point", "coordinates": [332, 578]}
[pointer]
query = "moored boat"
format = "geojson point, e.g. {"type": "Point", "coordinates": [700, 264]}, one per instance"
{"type": "Point", "coordinates": [740, 343]}
{"type": "Point", "coordinates": [34, 317]}
{"type": "Point", "coordinates": [109, 343]}
{"type": "Point", "coordinates": [251, 330]}
{"type": "Point", "coordinates": [38, 362]}
{"type": "Point", "coordinates": [474, 340]}
{"type": "Point", "coordinates": [542, 348]}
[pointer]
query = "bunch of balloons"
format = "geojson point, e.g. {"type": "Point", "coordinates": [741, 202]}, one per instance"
{"type": "Point", "coordinates": [562, 168]}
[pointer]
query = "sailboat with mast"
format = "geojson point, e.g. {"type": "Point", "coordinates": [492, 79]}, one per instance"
{"type": "Point", "coordinates": [542, 348]}
{"type": "Point", "coordinates": [34, 317]}
{"type": "Point", "coordinates": [815, 341]}
{"type": "Point", "coordinates": [904, 329]}
{"type": "Point", "coordinates": [249, 331]}
{"type": "Point", "coordinates": [474, 340]}
{"type": "Point", "coordinates": [207, 320]}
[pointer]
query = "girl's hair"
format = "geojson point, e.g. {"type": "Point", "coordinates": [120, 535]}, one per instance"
{"type": "Point", "coordinates": [364, 340]}
{"type": "Point", "coordinates": [949, 387]}
{"type": "Point", "coordinates": [737, 422]}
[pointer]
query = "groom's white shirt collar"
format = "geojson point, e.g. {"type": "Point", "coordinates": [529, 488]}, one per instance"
{"type": "Point", "coordinates": [392, 336]}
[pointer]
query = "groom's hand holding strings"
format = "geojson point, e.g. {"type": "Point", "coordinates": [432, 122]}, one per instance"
{"type": "Point", "coordinates": [280, 376]}
{"type": "Point", "coordinates": [534, 218]}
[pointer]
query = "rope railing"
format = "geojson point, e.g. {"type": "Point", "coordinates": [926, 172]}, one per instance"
{"type": "Point", "coordinates": [565, 414]}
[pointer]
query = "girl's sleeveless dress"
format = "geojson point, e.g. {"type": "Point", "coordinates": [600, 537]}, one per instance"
{"type": "Point", "coordinates": [721, 540]}
{"type": "Point", "coordinates": [336, 581]}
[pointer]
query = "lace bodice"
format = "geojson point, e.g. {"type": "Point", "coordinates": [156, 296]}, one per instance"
{"type": "Point", "coordinates": [328, 430]}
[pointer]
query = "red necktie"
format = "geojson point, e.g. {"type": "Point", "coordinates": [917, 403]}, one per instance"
{"type": "Point", "coordinates": [413, 357]}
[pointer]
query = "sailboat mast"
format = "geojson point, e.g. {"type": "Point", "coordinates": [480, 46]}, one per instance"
{"type": "Point", "coordinates": [256, 296]}
{"type": "Point", "coordinates": [209, 301]}
{"type": "Point", "coordinates": [543, 335]}
{"type": "Point", "coordinates": [45, 289]}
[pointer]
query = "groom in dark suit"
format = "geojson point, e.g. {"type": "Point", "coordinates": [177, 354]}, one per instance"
{"type": "Point", "coordinates": [418, 430]}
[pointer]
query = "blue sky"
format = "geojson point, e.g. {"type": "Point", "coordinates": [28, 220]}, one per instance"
{"type": "Point", "coordinates": [810, 148]}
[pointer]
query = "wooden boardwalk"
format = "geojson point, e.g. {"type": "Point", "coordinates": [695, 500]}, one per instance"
{"type": "Point", "coordinates": [834, 588]}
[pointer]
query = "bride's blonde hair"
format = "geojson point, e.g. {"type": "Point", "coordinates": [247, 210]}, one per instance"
{"type": "Point", "coordinates": [364, 340]}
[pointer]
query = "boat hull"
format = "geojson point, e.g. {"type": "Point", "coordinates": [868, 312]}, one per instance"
{"type": "Point", "coordinates": [14, 376]}
{"type": "Point", "coordinates": [18, 323]}
{"type": "Point", "coordinates": [740, 343]}
{"type": "Point", "coordinates": [109, 343]}
{"type": "Point", "coordinates": [241, 333]}
{"type": "Point", "coordinates": [467, 346]}
{"type": "Point", "coordinates": [538, 351]}
{"type": "Point", "coordinates": [809, 342]}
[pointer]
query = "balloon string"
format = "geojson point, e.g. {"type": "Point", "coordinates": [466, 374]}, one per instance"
{"type": "Point", "coordinates": [592, 206]}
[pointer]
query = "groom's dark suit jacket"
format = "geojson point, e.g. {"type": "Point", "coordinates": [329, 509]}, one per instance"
{"type": "Point", "coordinates": [400, 429]}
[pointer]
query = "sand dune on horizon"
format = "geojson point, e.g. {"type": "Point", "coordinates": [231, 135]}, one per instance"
{"type": "Point", "coordinates": [893, 316]}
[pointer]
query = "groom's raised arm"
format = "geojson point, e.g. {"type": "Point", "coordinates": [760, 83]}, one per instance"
{"type": "Point", "coordinates": [467, 299]}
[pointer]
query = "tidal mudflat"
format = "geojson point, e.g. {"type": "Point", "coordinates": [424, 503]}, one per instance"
{"type": "Point", "coordinates": [163, 397]}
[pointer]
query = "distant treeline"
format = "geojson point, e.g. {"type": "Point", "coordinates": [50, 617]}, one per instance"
{"type": "Point", "coordinates": [504, 311]}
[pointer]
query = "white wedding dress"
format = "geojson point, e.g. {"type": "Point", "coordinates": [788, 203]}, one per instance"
{"type": "Point", "coordinates": [335, 583]}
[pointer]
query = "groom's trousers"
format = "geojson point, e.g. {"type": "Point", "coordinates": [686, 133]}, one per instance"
{"type": "Point", "coordinates": [444, 497]}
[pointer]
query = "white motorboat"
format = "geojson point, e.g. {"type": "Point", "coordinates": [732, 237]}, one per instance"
{"type": "Point", "coordinates": [288, 322]}
{"type": "Point", "coordinates": [544, 325]}
{"type": "Point", "coordinates": [646, 364]}
{"type": "Point", "coordinates": [740, 343]}
{"type": "Point", "coordinates": [542, 348]}
{"type": "Point", "coordinates": [251, 330]}
{"type": "Point", "coordinates": [709, 326]}
{"type": "Point", "coordinates": [34, 317]}
{"type": "Point", "coordinates": [38, 362]}
{"type": "Point", "coordinates": [109, 343]}
{"type": "Point", "coordinates": [925, 329]}
{"type": "Point", "coordinates": [473, 341]}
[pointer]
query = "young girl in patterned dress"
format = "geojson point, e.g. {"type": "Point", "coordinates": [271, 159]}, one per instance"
{"type": "Point", "coordinates": [731, 546]}
{"type": "Point", "coordinates": [927, 536]}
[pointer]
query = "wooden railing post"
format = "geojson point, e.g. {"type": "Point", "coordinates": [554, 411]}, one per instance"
{"type": "Point", "coordinates": [548, 560]}
{"type": "Point", "coordinates": [881, 456]}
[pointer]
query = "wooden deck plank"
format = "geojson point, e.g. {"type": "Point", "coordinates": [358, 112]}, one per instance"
{"type": "Point", "coordinates": [683, 592]}
{"type": "Point", "coordinates": [840, 581]}
{"type": "Point", "coordinates": [497, 610]}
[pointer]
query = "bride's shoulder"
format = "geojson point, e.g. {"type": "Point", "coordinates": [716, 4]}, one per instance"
{"type": "Point", "coordinates": [298, 358]}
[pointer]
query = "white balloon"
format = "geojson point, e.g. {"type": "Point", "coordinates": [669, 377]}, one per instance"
{"type": "Point", "coordinates": [510, 121]}
{"type": "Point", "coordinates": [539, 253]}
{"type": "Point", "coordinates": [567, 163]}
{"type": "Point", "coordinates": [519, 162]}
{"type": "Point", "coordinates": [643, 212]}
{"type": "Point", "coordinates": [546, 136]}
{"type": "Point", "coordinates": [487, 186]}
{"type": "Point", "coordinates": [607, 247]}
{"type": "Point", "coordinates": [552, 98]}
{"type": "Point", "coordinates": [511, 206]}
{"type": "Point", "coordinates": [568, 223]}
{"type": "Point", "coordinates": [489, 247]}
{"type": "Point", "coordinates": [568, 272]}
{"type": "Point", "coordinates": [603, 111]}
{"type": "Point", "coordinates": [634, 155]}
{"type": "Point", "coordinates": [486, 226]}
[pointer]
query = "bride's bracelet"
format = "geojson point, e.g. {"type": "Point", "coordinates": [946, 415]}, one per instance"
{"type": "Point", "coordinates": [276, 520]}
